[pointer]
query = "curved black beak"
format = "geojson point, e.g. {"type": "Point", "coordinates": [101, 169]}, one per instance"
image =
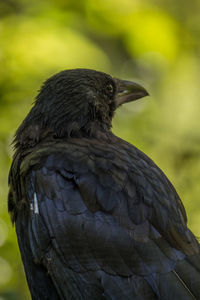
{"type": "Point", "coordinates": [128, 91]}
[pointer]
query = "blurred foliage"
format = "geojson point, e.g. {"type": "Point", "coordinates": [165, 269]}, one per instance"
{"type": "Point", "coordinates": [154, 42]}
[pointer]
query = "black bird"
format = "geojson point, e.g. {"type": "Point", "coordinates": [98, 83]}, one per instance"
{"type": "Point", "coordinates": [95, 217]}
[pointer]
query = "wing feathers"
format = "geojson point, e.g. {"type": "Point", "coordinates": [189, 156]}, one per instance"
{"type": "Point", "coordinates": [107, 223]}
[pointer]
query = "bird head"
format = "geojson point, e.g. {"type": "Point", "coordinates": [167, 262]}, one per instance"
{"type": "Point", "coordinates": [80, 101]}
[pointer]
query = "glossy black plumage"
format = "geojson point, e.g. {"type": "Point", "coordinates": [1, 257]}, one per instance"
{"type": "Point", "coordinates": [95, 217]}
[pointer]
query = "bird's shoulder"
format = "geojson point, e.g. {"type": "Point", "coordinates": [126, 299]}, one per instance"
{"type": "Point", "coordinates": [115, 168]}
{"type": "Point", "coordinates": [116, 164]}
{"type": "Point", "coordinates": [113, 177]}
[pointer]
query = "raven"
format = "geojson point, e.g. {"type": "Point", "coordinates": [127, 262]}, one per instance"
{"type": "Point", "coordinates": [95, 217]}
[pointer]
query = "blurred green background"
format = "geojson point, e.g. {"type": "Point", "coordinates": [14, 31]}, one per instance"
{"type": "Point", "coordinates": [155, 42]}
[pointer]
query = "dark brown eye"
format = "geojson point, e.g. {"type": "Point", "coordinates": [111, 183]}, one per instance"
{"type": "Point", "coordinates": [110, 88]}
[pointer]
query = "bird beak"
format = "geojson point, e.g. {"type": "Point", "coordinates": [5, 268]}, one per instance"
{"type": "Point", "coordinates": [128, 91]}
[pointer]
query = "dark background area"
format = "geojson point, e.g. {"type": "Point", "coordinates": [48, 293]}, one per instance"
{"type": "Point", "coordinates": [156, 43]}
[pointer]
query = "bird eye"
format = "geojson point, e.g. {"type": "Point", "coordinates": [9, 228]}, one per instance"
{"type": "Point", "coordinates": [110, 88]}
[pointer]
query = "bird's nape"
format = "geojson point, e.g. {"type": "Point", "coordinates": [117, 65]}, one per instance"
{"type": "Point", "coordinates": [79, 102]}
